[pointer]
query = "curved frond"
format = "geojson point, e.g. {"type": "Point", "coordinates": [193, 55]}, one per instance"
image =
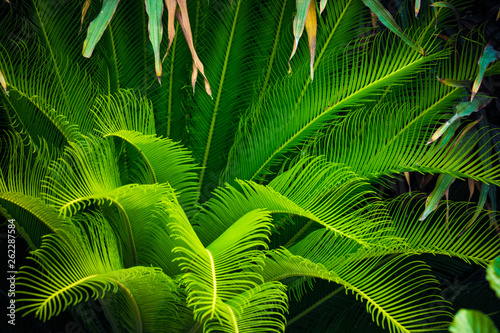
{"type": "Point", "coordinates": [326, 193]}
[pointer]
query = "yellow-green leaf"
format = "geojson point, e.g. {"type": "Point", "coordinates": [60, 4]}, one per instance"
{"type": "Point", "coordinates": [489, 55]}
{"type": "Point", "coordinates": [3, 82]}
{"type": "Point", "coordinates": [154, 8]}
{"type": "Point", "coordinates": [472, 321]}
{"type": "Point", "coordinates": [311, 28]}
{"type": "Point", "coordinates": [386, 18]}
{"type": "Point", "coordinates": [298, 24]}
{"type": "Point", "coordinates": [417, 7]}
{"type": "Point", "coordinates": [98, 25]}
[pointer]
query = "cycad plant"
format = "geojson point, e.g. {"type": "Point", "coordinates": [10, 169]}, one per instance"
{"type": "Point", "coordinates": [250, 208]}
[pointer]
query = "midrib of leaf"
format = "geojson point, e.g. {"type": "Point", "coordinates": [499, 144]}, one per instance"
{"type": "Point", "coordinates": [375, 304]}
{"type": "Point", "coordinates": [217, 101]}
{"type": "Point", "coordinates": [233, 317]}
{"type": "Point", "coordinates": [273, 54]}
{"type": "Point", "coordinates": [214, 282]}
{"type": "Point", "coordinates": [171, 82]}
{"type": "Point", "coordinates": [328, 110]}
{"type": "Point", "coordinates": [53, 58]}
{"type": "Point", "coordinates": [114, 58]}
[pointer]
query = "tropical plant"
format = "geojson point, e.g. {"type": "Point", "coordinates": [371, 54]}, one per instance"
{"type": "Point", "coordinates": [251, 209]}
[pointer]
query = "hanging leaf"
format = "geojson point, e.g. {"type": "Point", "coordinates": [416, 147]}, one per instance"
{"type": "Point", "coordinates": [85, 8]}
{"type": "Point", "coordinates": [472, 321]}
{"type": "Point", "coordinates": [154, 8]}
{"type": "Point", "coordinates": [98, 25]}
{"type": "Point", "coordinates": [171, 7]}
{"type": "Point", "coordinates": [443, 183]}
{"type": "Point", "coordinates": [489, 55]}
{"type": "Point", "coordinates": [322, 6]}
{"type": "Point", "coordinates": [3, 82]}
{"type": "Point", "coordinates": [386, 18]}
{"type": "Point", "coordinates": [182, 17]}
{"type": "Point", "coordinates": [463, 109]}
{"type": "Point", "coordinates": [311, 27]}
{"type": "Point", "coordinates": [493, 275]}
{"type": "Point", "coordinates": [298, 24]}
{"type": "Point", "coordinates": [417, 7]}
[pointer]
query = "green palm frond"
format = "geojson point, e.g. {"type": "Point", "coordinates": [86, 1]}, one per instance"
{"type": "Point", "coordinates": [326, 193]}
{"type": "Point", "coordinates": [94, 269]}
{"type": "Point", "coordinates": [447, 231]}
{"type": "Point", "coordinates": [293, 111]}
{"type": "Point", "coordinates": [21, 190]}
{"type": "Point", "coordinates": [167, 162]}
{"type": "Point", "coordinates": [124, 110]}
{"type": "Point", "coordinates": [390, 140]}
{"type": "Point", "coordinates": [228, 70]}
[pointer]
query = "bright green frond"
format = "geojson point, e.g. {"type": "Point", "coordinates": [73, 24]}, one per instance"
{"type": "Point", "coordinates": [292, 111]}
{"type": "Point", "coordinates": [124, 110]}
{"type": "Point", "coordinates": [168, 162]}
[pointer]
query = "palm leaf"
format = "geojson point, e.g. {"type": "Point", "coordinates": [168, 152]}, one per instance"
{"type": "Point", "coordinates": [323, 192]}
{"type": "Point", "coordinates": [91, 268]}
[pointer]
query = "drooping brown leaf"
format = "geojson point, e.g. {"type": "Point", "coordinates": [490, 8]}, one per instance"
{"type": "Point", "coordinates": [471, 184]}
{"type": "Point", "coordinates": [183, 19]}
{"type": "Point", "coordinates": [171, 8]}
{"type": "Point", "coordinates": [85, 8]}
{"type": "Point", "coordinates": [311, 28]}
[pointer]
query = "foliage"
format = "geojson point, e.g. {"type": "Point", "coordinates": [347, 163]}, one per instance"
{"type": "Point", "coordinates": [182, 211]}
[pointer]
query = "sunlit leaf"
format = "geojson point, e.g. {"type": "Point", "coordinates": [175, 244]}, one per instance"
{"type": "Point", "coordinates": [386, 18]}
{"type": "Point", "coordinates": [154, 8]}
{"type": "Point", "coordinates": [443, 183]}
{"type": "Point", "coordinates": [463, 109]}
{"type": "Point", "coordinates": [85, 8]}
{"type": "Point", "coordinates": [182, 17]}
{"type": "Point", "coordinates": [489, 55]}
{"type": "Point", "coordinates": [3, 82]}
{"type": "Point", "coordinates": [98, 25]}
{"type": "Point", "coordinates": [472, 321]}
{"type": "Point", "coordinates": [298, 24]}
{"type": "Point", "coordinates": [311, 27]}
{"type": "Point", "coordinates": [493, 275]}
